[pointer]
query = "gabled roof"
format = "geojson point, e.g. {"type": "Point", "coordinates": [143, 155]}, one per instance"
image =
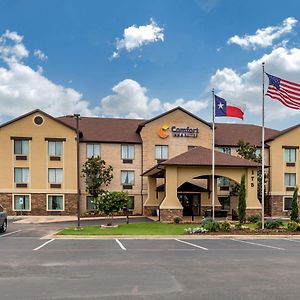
{"type": "Point", "coordinates": [33, 112]}
{"type": "Point", "coordinates": [201, 156]}
{"type": "Point", "coordinates": [106, 130]}
{"type": "Point", "coordinates": [280, 133]}
{"type": "Point", "coordinates": [170, 111]}
{"type": "Point", "coordinates": [228, 134]}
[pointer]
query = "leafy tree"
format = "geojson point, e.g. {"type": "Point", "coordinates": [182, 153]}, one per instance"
{"type": "Point", "coordinates": [110, 203]}
{"type": "Point", "coordinates": [242, 201]}
{"type": "Point", "coordinates": [294, 212]}
{"type": "Point", "coordinates": [248, 151]}
{"type": "Point", "coordinates": [96, 174]}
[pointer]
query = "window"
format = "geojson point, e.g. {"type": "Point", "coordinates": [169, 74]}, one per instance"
{"type": "Point", "coordinates": [127, 151]}
{"type": "Point", "coordinates": [290, 179]}
{"type": "Point", "coordinates": [225, 202]}
{"type": "Point", "coordinates": [21, 147]}
{"type": "Point", "coordinates": [55, 175]}
{"type": "Point", "coordinates": [21, 175]}
{"type": "Point", "coordinates": [21, 202]}
{"type": "Point", "coordinates": [55, 148]}
{"type": "Point", "coordinates": [258, 151]}
{"type": "Point", "coordinates": [90, 202]}
{"type": "Point", "coordinates": [290, 155]}
{"type": "Point", "coordinates": [130, 204]}
{"type": "Point", "coordinates": [161, 152]}
{"type": "Point", "coordinates": [191, 147]}
{"type": "Point", "coordinates": [92, 150]}
{"type": "Point", "coordinates": [55, 202]}
{"type": "Point", "coordinates": [127, 177]}
{"type": "Point", "coordinates": [223, 181]}
{"type": "Point", "coordinates": [226, 150]}
{"type": "Point", "coordinates": [287, 203]}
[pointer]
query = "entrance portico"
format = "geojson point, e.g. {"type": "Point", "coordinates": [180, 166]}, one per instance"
{"type": "Point", "coordinates": [196, 163]}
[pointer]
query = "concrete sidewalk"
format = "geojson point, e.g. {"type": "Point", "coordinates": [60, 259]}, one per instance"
{"type": "Point", "coordinates": [54, 219]}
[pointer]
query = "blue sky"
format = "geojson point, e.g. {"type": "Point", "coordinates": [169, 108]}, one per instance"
{"type": "Point", "coordinates": [58, 56]}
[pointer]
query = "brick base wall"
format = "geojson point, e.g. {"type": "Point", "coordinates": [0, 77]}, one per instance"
{"type": "Point", "coordinates": [277, 207]}
{"type": "Point", "coordinates": [167, 215]}
{"type": "Point", "coordinates": [251, 211]}
{"type": "Point", "coordinates": [39, 205]}
{"type": "Point", "coordinates": [149, 209]}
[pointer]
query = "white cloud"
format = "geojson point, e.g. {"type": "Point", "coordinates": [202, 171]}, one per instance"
{"type": "Point", "coordinates": [23, 89]}
{"type": "Point", "coordinates": [135, 37]}
{"type": "Point", "coordinates": [246, 88]}
{"type": "Point", "coordinates": [130, 100]}
{"type": "Point", "coordinates": [264, 37]}
{"type": "Point", "coordinates": [40, 55]}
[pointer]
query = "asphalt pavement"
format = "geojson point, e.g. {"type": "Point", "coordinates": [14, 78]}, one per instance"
{"type": "Point", "coordinates": [34, 268]}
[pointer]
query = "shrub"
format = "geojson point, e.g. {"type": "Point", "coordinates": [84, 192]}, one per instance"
{"type": "Point", "coordinates": [292, 226]}
{"type": "Point", "coordinates": [211, 225]}
{"type": "Point", "coordinates": [272, 224]}
{"type": "Point", "coordinates": [242, 201]}
{"type": "Point", "coordinates": [254, 218]}
{"type": "Point", "coordinates": [225, 226]}
{"type": "Point", "coordinates": [195, 230]}
{"type": "Point", "coordinates": [238, 226]}
{"type": "Point", "coordinates": [294, 212]}
{"type": "Point", "coordinates": [177, 220]}
{"type": "Point", "coordinates": [258, 224]}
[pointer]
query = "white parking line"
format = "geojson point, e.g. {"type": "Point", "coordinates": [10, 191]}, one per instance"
{"type": "Point", "coordinates": [120, 244]}
{"type": "Point", "coordinates": [194, 245]}
{"type": "Point", "coordinates": [39, 247]}
{"type": "Point", "coordinates": [293, 240]}
{"type": "Point", "coordinates": [6, 234]}
{"type": "Point", "coordinates": [257, 244]}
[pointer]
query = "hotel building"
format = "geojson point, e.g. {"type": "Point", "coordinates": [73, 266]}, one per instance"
{"type": "Point", "coordinates": [163, 163]}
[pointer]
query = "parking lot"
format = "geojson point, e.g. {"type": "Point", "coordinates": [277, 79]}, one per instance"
{"type": "Point", "coordinates": [34, 268]}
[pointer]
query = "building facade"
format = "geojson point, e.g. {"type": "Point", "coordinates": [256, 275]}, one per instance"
{"type": "Point", "coordinates": [163, 163]}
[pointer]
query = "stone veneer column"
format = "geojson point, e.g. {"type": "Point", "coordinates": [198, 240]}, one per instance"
{"type": "Point", "coordinates": [152, 201]}
{"type": "Point", "coordinates": [170, 206]}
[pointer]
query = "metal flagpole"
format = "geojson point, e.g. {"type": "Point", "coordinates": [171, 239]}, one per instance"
{"type": "Point", "coordinates": [213, 158]}
{"type": "Point", "coordinates": [263, 151]}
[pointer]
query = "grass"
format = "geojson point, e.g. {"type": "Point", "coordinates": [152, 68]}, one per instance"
{"type": "Point", "coordinates": [143, 228]}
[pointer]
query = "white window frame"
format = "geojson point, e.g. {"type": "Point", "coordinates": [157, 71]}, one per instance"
{"type": "Point", "coordinates": [22, 153]}
{"type": "Point", "coordinates": [55, 154]}
{"type": "Point", "coordinates": [126, 146]}
{"type": "Point", "coordinates": [289, 186]}
{"type": "Point", "coordinates": [129, 171]}
{"type": "Point", "coordinates": [289, 149]}
{"type": "Point", "coordinates": [22, 175]}
{"type": "Point", "coordinates": [60, 195]}
{"type": "Point", "coordinates": [86, 203]}
{"type": "Point", "coordinates": [56, 182]}
{"type": "Point", "coordinates": [161, 152]}
{"type": "Point", "coordinates": [93, 145]}
{"type": "Point", "coordinates": [283, 202]}
{"type": "Point", "coordinates": [13, 202]}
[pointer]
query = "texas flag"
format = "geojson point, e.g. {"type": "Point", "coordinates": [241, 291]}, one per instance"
{"type": "Point", "coordinates": [223, 109]}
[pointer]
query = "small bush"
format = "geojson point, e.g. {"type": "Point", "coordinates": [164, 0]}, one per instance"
{"type": "Point", "coordinates": [195, 230]}
{"type": "Point", "coordinates": [225, 226]}
{"type": "Point", "coordinates": [258, 225]}
{"type": "Point", "coordinates": [177, 220]}
{"type": "Point", "coordinates": [211, 225]}
{"type": "Point", "coordinates": [253, 218]}
{"type": "Point", "coordinates": [273, 224]}
{"type": "Point", "coordinates": [292, 226]}
{"type": "Point", "coordinates": [238, 226]}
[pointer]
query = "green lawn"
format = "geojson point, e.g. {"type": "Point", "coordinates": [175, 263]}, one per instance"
{"type": "Point", "coordinates": [143, 228]}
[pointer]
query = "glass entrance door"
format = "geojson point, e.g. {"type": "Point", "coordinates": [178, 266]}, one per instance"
{"type": "Point", "coordinates": [190, 203]}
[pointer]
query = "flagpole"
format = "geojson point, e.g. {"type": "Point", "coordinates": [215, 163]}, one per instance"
{"type": "Point", "coordinates": [263, 151]}
{"type": "Point", "coordinates": [213, 157]}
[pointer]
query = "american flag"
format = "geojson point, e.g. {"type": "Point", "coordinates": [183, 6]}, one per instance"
{"type": "Point", "coordinates": [287, 92]}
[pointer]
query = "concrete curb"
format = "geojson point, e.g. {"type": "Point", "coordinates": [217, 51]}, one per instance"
{"type": "Point", "coordinates": [170, 237]}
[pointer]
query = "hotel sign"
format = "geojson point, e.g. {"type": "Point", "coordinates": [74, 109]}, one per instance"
{"type": "Point", "coordinates": [163, 132]}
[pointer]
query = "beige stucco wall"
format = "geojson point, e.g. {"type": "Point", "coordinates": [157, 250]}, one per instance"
{"type": "Point", "coordinates": [38, 160]}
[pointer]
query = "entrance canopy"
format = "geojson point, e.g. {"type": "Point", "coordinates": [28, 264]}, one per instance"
{"type": "Point", "coordinates": [198, 163]}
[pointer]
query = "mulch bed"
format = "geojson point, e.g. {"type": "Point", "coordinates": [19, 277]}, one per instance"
{"type": "Point", "coordinates": [250, 232]}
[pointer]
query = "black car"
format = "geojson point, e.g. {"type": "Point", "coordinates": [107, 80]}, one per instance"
{"type": "Point", "coordinates": [3, 219]}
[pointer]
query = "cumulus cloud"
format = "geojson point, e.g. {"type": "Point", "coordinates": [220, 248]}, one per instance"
{"type": "Point", "coordinates": [130, 100]}
{"type": "Point", "coordinates": [40, 55]}
{"type": "Point", "coordinates": [247, 87]}
{"type": "Point", "coordinates": [23, 89]}
{"type": "Point", "coordinates": [135, 37]}
{"type": "Point", "coordinates": [264, 37]}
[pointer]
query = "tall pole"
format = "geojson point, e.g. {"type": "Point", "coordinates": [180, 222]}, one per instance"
{"type": "Point", "coordinates": [77, 116]}
{"type": "Point", "coordinates": [263, 151]}
{"type": "Point", "coordinates": [213, 157]}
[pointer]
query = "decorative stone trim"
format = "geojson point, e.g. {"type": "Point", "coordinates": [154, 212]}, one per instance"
{"type": "Point", "coordinates": [149, 209]}
{"type": "Point", "coordinates": [167, 215]}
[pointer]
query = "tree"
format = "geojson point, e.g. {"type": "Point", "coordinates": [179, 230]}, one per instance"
{"type": "Point", "coordinates": [248, 151]}
{"type": "Point", "coordinates": [242, 201]}
{"type": "Point", "coordinates": [96, 174]}
{"type": "Point", "coordinates": [110, 203]}
{"type": "Point", "coordinates": [294, 207]}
